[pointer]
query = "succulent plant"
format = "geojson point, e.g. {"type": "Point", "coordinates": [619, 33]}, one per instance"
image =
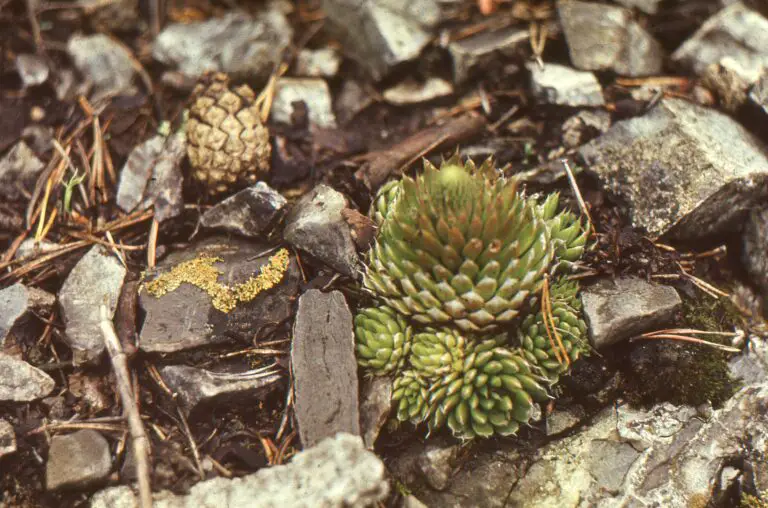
{"type": "Point", "coordinates": [553, 345]}
{"type": "Point", "coordinates": [460, 254]}
{"type": "Point", "coordinates": [460, 246]}
{"type": "Point", "coordinates": [383, 339]}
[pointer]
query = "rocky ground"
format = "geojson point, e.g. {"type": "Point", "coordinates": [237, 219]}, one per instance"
{"type": "Point", "coordinates": [162, 325]}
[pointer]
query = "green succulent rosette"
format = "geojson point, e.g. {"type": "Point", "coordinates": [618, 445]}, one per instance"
{"type": "Point", "coordinates": [383, 339]}
{"type": "Point", "coordinates": [459, 247]}
{"type": "Point", "coordinates": [384, 202]}
{"type": "Point", "coordinates": [410, 393]}
{"type": "Point", "coordinates": [568, 232]}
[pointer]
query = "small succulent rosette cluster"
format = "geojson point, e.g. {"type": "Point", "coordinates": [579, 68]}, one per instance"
{"type": "Point", "coordinates": [475, 320]}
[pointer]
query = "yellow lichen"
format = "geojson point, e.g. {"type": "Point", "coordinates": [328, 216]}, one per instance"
{"type": "Point", "coordinates": [200, 272]}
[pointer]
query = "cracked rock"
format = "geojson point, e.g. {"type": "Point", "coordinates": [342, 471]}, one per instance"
{"type": "Point", "coordinates": [380, 34]}
{"type": "Point", "coordinates": [21, 382]}
{"type": "Point", "coordinates": [316, 225]}
{"type": "Point", "coordinates": [622, 308]}
{"type": "Point", "coordinates": [686, 171]}
{"type": "Point", "coordinates": [235, 44]}
{"type": "Point", "coordinates": [77, 460]}
{"type": "Point", "coordinates": [561, 85]}
{"type": "Point", "coordinates": [97, 278]}
{"type": "Point", "coordinates": [604, 37]}
{"type": "Point", "coordinates": [106, 63]}
{"type": "Point", "coordinates": [339, 472]}
{"type": "Point", "coordinates": [251, 212]}
{"type": "Point", "coordinates": [199, 387]}
{"type": "Point", "coordinates": [324, 368]}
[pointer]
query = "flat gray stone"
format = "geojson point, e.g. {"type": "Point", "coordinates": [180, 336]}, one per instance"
{"type": "Point", "coordinates": [380, 34]}
{"type": "Point", "coordinates": [622, 308]}
{"type": "Point", "coordinates": [375, 405]}
{"type": "Point", "coordinates": [199, 387]}
{"type": "Point", "coordinates": [686, 171]}
{"type": "Point", "coordinates": [737, 33]}
{"type": "Point", "coordinates": [21, 382]}
{"type": "Point", "coordinates": [561, 420]}
{"type": "Point", "coordinates": [235, 43]}
{"type": "Point", "coordinates": [20, 167]}
{"type": "Point", "coordinates": [250, 213]}
{"type": "Point", "coordinates": [412, 92]}
{"type": "Point", "coordinates": [316, 225]}
{"type": "Point", "coordinates": [609, 463]}
{"type": "Point", "coordinates": [106, 63]}
{"type": "Point", "coordinates": [472, 53]}
{"type": "Point", "coordinates": [313, 92]}
{"type": "Point", "coordinates": [7, 439]}
{"type": "Point", "coordinates": [337, 473]}
{"type": "Point", "coordinates": [16, 304]}
{"type": "Point", "coordinates": [604, 37]}
{"type": "Point", "coordinates": [77, 460]}
{"type": "Point", "coordinates": [186, 318]}
{"type": "Point", "coordinates": [324, 367]}
{"type": "Point", "coordinates": [96, 279]}
{"type": "Point", "coordinates": [564, 86]}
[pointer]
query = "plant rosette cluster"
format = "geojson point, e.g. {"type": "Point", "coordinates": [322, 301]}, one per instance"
{"type": "Point", "coordinates": [475, 318]}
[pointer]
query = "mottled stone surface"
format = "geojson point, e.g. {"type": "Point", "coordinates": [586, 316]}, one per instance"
{"type": "Point", "coordinates": [21, 382]}
{"type": "Point", "coordinates": [686, 171]}
{"type": "Point", "coordinates": [619, 309]}
{"type": "Point", "coordinates": [324, 367]}
{"type": "Point", "coordinates": [337, 473]}
{"type": "Point", "coordinates": [250, 213]}
{"type": "Point", "coordinates": [76, 460]}
{"type": "Point", "coordinates": [96, 279]}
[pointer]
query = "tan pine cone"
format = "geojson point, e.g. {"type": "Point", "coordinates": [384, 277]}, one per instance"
{"type": "Point", "coordinates": [228, 146]}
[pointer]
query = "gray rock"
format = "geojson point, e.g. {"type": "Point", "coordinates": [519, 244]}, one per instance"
{"type": "Point", "coordinates": [413, 92]}
{"type": "Point", "coordinates": [7, 439]}
{"type": "Point", "coordinates": [199, 387]}
{"type": "Point", "coordinates": [316, 225]}
{"type": "Point", "coordinates": [235, 43]}
{"type": "Point", "coordinates": [31, 248]}
{"type": "Point", "coordinates": [251, 212]}
{"type": "Point", "coordinates": [473, 52]}
{"type": "Point", "coordinates": [21, 382]}
{"type": "Point", "coordinates": [16, 304]}
{"type": "Point", "coordinates": [754, 254]}
{"type": "Point", "coordinates": [380, 34]}
{"type": "Point", "coordinates": [338, 472]}
{"type": "Point", "coordinates": [33, 69]}
{"type": "Point", "coordinates": [585, 125]}
{"type": "Point", "coordinates": [431, 464]}
{"type": "Point", "coordinates": [561, 420]}
{"type": "Point", "coordinates": [324, 368]}
{"type": "Point", "coordinates": [604, 37]}
{"type": "Point", "coordinates": [151, 177]}
{"type": "Point", "coordinates": [313, 92]}
{"type": "Point", "coordinates": [609, 463]}
{"type": "Point", "coordinates": [644, 6]}
{"type": "Point", "coordinates": [19, 168]}
{"type": "Point", "coordinates": [351, 100]}
{"type": "Point", "coordinates": [318, 63]}
{"type": "Point", "coordinates": [96, 279]}
{"type": "Point", "coordinates": [561, 85]}
{"type": "Point", "coordinates": [77, 460]}
{"type": "Point", "coordinates": [686, 171]}
{"type": "Point", "coordinates": [106, 63]}
{"type": "Point", "coordinates": [759, 93]}
{"type": "Point", "coordinates": [619, 309]}
{"type": "Point", "coordinates": [185, 318]}
{"type": "Point", "coordinates": [375, 405]}
{"type": "Point", "coordinates": [737, 33]}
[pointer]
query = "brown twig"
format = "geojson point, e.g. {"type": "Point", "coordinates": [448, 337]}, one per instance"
{"type": "Point", "coordinates": [684, 335]}
{"type": "Point", "coordinates": [123, 381]}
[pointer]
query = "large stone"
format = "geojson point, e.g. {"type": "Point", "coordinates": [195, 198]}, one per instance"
{"type": "Point", "coordinates": [21, 382]}
{"type": "Point", "coordinates": [736, 33]}
{"type": "Point", "coordinates": [105, 62]}
{"type": "Point", "coordinates": [561, 85]}
{"type": "Point", "coordinates": [339, 472]}
{"type": "Point", "coordinates": [186, 318]}
{"type": "Point", "coordinates": [19, 169]}
{"type": "Point", "coordinates": [313, 92]}
{"type": "Point", "coordinates": [95, 280]}
{"type": "Point", "coordinates": [17, 303]}
{"type": "Point", "coordinates": [203, 388]}
{"type": "Point", "coordinates": [620, 309]}
{"type": "Point", "coordinates": [250, 213]}
{"type": "Point", "coordinates": [77, 460]}
{"type": "Point", "coordinates": [316, 225]}
{"type": "Point", "coordinates": [235, 43]}
{"type": "Point", "coordinates": [324, 367]}
{"type": "Point", "coordinates": [472, 53]}
{"type": "Point", "coordinates": [686, 171]}
{"type": "Point", "coordinates": [604, 37]}
{"type": "Point", "coordinates": [380, 34]}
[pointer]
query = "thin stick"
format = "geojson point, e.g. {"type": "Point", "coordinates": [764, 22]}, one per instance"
{"type": "Point", "coordinates": [140, 440]}
{"type": "Point", "coordinates": [684, 338]}
{"type": "Point", "coordinates": [577, 192]}
{"type": "Point", "coordinates": [152, 244]}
